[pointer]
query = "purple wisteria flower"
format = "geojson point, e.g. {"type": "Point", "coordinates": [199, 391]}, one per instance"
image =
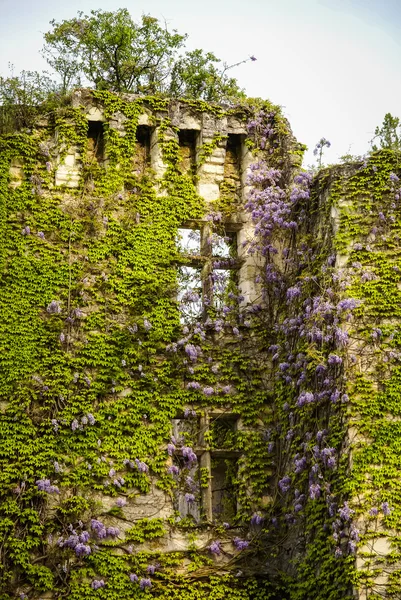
{"type": "Point", "coordinates": [141, 466]}
{"type": "Point", "coordinates": [54, 307]}
{"type": "Point", "coordinates": [208, 391]}
{"type": "Point", "coordinates": [189, 455]}
{"type": "Point", "coordinates": [345, 512]}
{"type": "Point", "coordinates": [215, 548]}
{"type": "Point", "coordinates": [284, 484]}
{"type": "Point", "coordinates": [292, 293]}
{"type": "Point", "coordinates": [82, 549]}
{"type": "Point", "coordinates": [147, 324]}
{"type": "Point", "coordinates": [99, 528]}
{"type": "Point", "coordinates": [44, 485]}
{"type": "Point", "coordinates": [97, 584]}
{"type": "Point", "coordinates": [341, 337]}
{"type": "Point", "coordinates": [305, 398]}
{"type": "Point", "coordinates": [256, 519]}
{"type": "Point", "coordinates": [134, 578]}
{"type": "Point", "coordinates": [189, 498]}
{"type": "Point", "coordinates": [173, 470]}
{"type": "Point", "coordinates": [322, 143]}
{"type": "Point", "coordinates": [151, 569]}
{"type": "Point", "coordinates": [300, 464]}
{"type": "Point", "coordinates": [386, 509]}
{"type": "Point", "coordinates": [193, 385]}
{"type": "Point", "coordinates": [113, 531]}
{"type": "Point", "coordinates": [120, 502]}
{"type": "Point", "coordinates": [192, 352]}
{"type": "Point", "coordinates": [145, 583]}
{"type": "Point", "coordinates": [314, 491]}
{"type": "Point", "coordinates": [334, 359]}
{"type": "Point", "coordinates": [227, 389]}
{"type": "Point", "coordinates": [240, 544]}
{"type": "Point", "coordinates": [374, 512]}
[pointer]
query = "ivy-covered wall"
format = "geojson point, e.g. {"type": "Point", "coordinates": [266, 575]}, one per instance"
{"type": "Point", "coordinates": [215, 420]}
{"type": "Point", "coordinates": [99, 359]}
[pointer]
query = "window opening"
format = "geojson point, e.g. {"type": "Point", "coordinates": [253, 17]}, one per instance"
{"type": "Point", "coordinates": [187, 497]}
{"type": "Point", "coordinates": [189, 293]}
{"type": "Point", "coordinates": [232, 163]}
{"type": "Point", "coordinates": [187, 139]}
{"type": "Point", "coordinates": [222, 282]}
{"type": "Point", "coordinates": [189, 241]}
{"type": "Point", "coordinates": [210, 274]}
{"type": "Point", "coordinates": [186, 431]}
{"type": "Point", "coordinates": [141, 157]}
{"type": "Point", "coordinates": [187, 493]}
{"type": "Point", "coordinates": [223, 488]}
{"type": "Point", "coordinates": [224, 246]}
{"type": "Point", "coordinates": [95, 141]}
{"type": "Point", "coordinates": [232, 166]}
{"type": "Point", "coordinates": [223, 433]}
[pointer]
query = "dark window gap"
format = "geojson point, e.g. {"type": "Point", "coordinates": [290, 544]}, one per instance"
{"type": "Point", "coordinates": [232, 166]}
{"type": "Point", "coordinates": [96, 140]}
{"type": "Point", "coordinates": [223, 488]}
{"type": "Point", "coordinates": [187, 139]}
{"type": "Point", "coordinates": [223, 432]}
{"type": "Point", "coordinates": [141, 157]}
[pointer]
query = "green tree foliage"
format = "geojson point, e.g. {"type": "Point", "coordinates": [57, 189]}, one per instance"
{"type": "Point", "coordinates": [108, 50]}
{"type": "Point", "coordinates": [388, 135]}
{"type": "Point", "coordinates": [20, 96]}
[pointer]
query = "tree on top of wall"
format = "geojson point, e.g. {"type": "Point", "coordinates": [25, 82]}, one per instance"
{"type": "Point", "coordinates": [109, 50]}
{"type": "Point", "coordinates": [388, 134]}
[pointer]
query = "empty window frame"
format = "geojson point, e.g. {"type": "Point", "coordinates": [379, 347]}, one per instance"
{"type": "Point", "coordinates": [232, 167]}
{"type": "Point", "coordinates": [189, 241]}
{"type": "Point", "coordinates": [220, 459]}
{"type": "Point", "coordinates": [141, 158]}
{"type": "Point", "coordinates": [211, 272]}
{"type": "Point", "coordinates": [190, 292]}
{"type": "Point", "coordinates": [222, 432]}
{"type": "Point", "coordinates": [214, 437]}
{"type": "Point", "coordinates": [187, 497]}
{"type": "Point", "coordinates": [95, 147]}
{"type": "Point", "coordinates": [187, 140]}
{"type": "Point", "coordinates": [223, 488]}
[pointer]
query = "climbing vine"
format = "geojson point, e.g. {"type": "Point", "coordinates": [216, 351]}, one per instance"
{"type": "Point", "coordinates": [96, 363]}
{"type": "Point", "coordinates": [98, 360]}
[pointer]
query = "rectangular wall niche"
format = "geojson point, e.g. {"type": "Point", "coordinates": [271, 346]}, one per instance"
{"type": "Point", "coordinates": [214, 437]}
{"type": "Point", "coordinates": [186, 431]}
{"type": "Point", "coordinates": [95, 141]}
{"type": "Point", "coordinates": [232, 166]}
{"type": "Point", "coordinates": [141, 159]}
{"type": "Point", "coordinates": [223, 488]}
{"type": "Point", "coordinates": [187, 139]}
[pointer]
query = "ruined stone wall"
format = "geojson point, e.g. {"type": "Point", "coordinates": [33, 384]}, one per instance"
{"type": "Point", "coordinates": [135, 379]}
{"type": "Point", "coordinates": [199, 366]}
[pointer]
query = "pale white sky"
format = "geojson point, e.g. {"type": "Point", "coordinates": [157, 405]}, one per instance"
{"type": "Point", "coordinates": [334, 65]}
